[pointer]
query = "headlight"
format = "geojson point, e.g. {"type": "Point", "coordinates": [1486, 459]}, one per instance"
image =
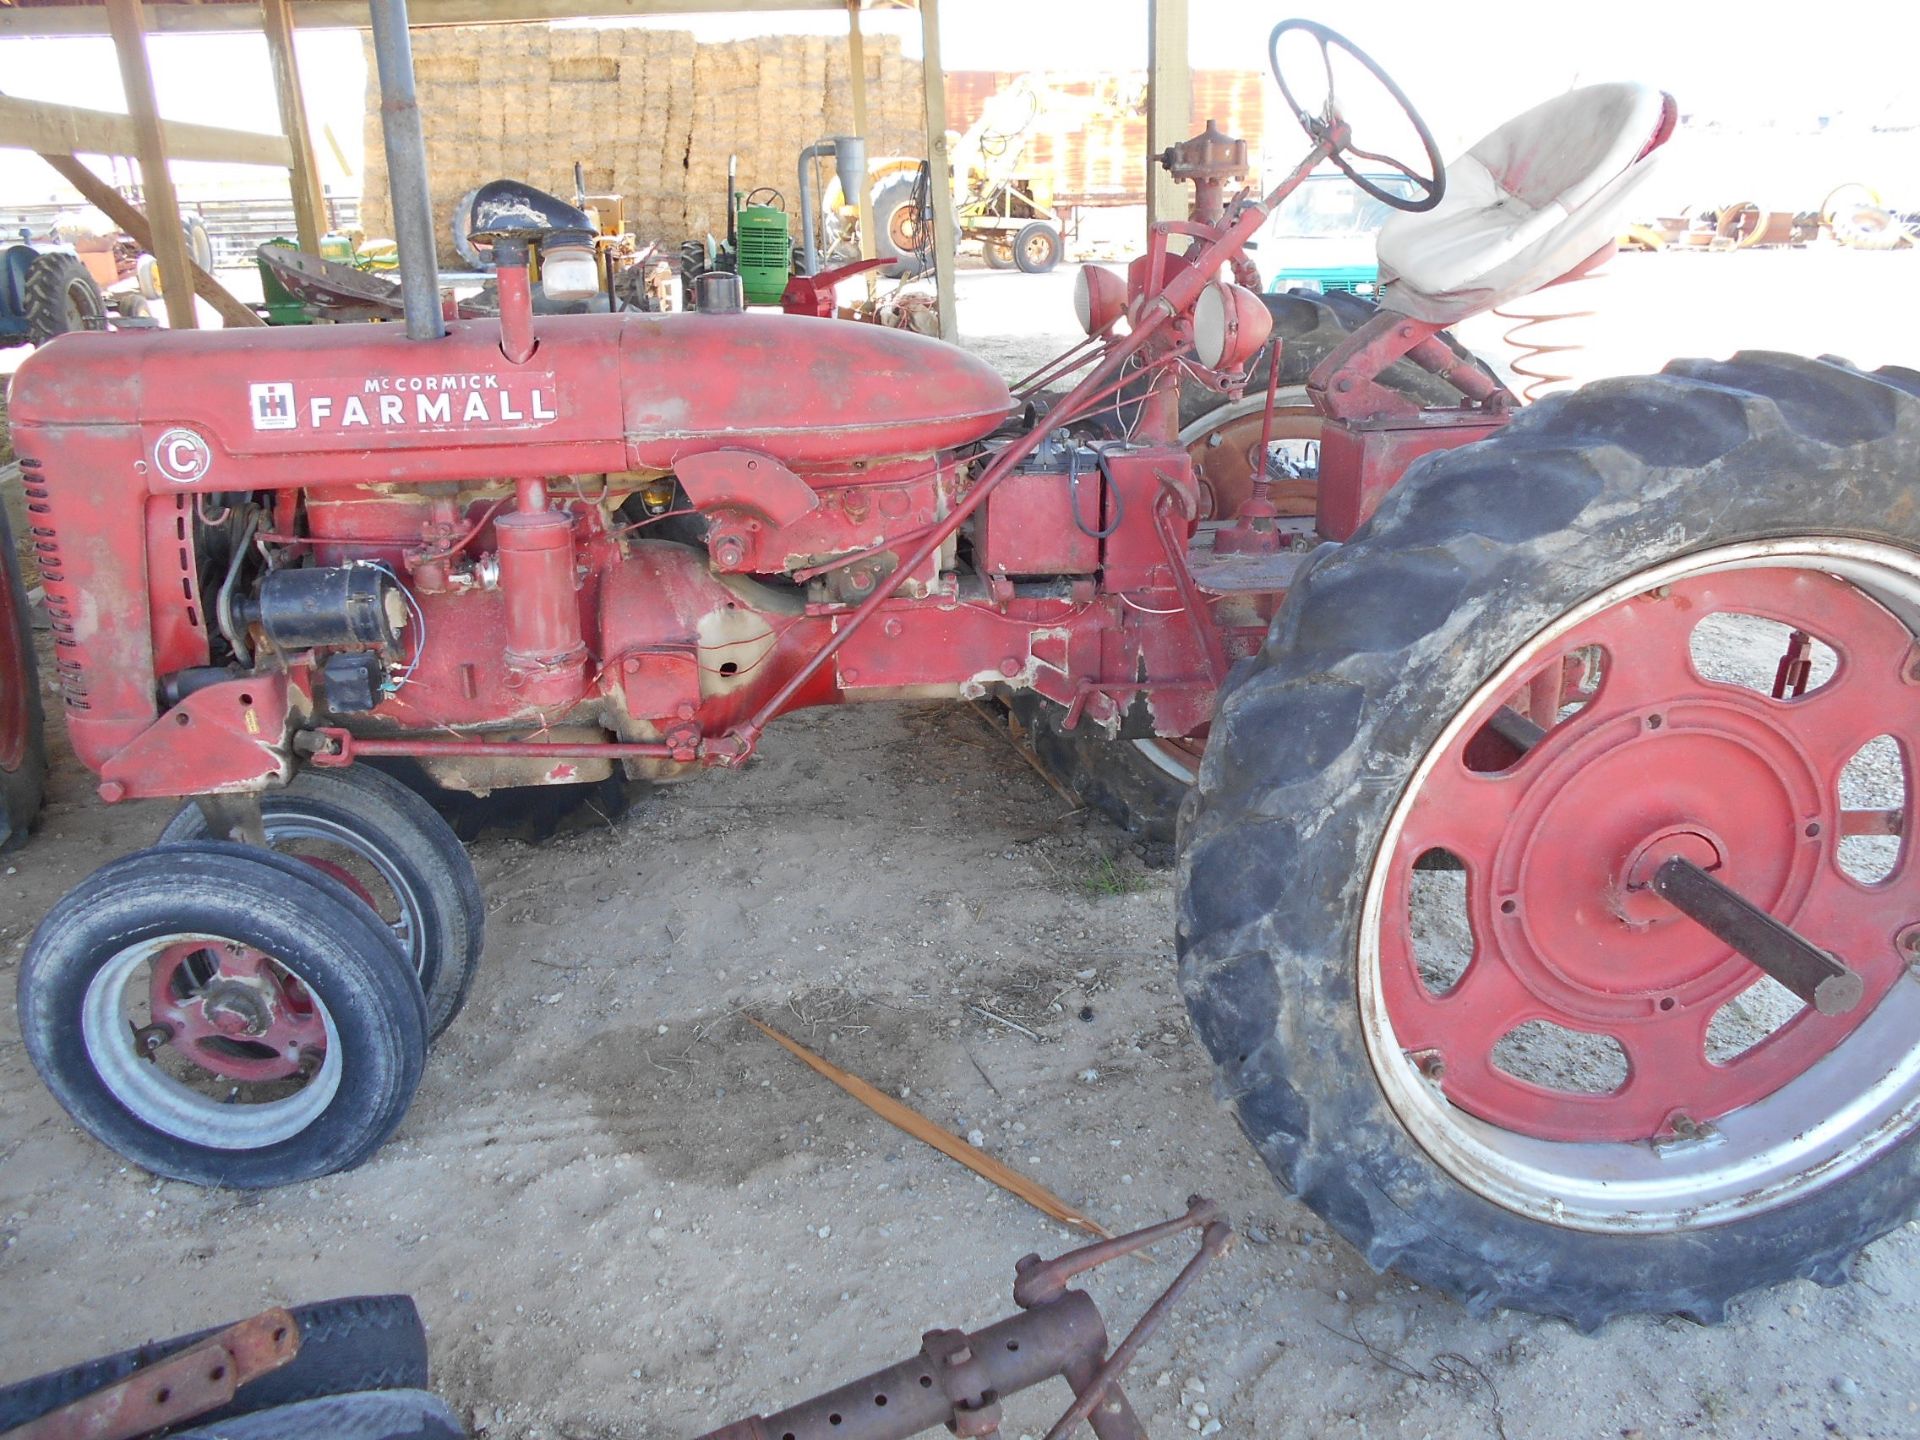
{"type": "Point", "coordinates": [1304, 287]}
{"type": "Point", "coordinates": [1230, 324]}
{"type": "Point", "coordinates": [1099, 298]}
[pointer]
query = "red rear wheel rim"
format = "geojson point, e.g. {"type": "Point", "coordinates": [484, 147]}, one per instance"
{"type": "Point", "coordinates": [1658, 760]}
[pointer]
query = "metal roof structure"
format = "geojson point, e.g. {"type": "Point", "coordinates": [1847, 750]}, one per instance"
{"type": "Point", "coordinates": [61, 133]}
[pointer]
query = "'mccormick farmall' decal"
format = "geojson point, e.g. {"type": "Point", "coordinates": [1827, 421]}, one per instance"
{"type": "Point", "coordinates": [458, 401]}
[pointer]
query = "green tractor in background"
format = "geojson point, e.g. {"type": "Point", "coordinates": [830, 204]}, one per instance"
{"type": "Point", "coordinates": [758, 247]}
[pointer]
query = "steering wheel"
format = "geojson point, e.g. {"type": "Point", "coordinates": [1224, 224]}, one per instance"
{"type": "Point", "coordinates": [1331, 129]}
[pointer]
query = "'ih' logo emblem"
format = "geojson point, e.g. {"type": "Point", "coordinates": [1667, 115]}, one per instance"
{"type": "Point", "coordinates": [272, 406]}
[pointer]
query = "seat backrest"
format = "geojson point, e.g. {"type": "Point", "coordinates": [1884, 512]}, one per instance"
{"type": "Point", "coordinates": [1530, 202]}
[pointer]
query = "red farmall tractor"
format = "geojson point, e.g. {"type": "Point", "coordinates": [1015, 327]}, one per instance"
{"type": "Point", "coordinates": [1450, 684]}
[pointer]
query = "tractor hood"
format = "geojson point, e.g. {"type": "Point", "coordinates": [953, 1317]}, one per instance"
{"type": "Point", "coordinates": [599, 392]}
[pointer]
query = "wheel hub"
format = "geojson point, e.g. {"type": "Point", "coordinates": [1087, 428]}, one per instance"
{"type": "Point", "coordinates": [1568, 900]}
{"type": "Point", "coordinates": [237, 1007]}
{"type": "Point", "coordinates": [1633, 897]}
{"type": "Point", "coordinates": [247, 1020]}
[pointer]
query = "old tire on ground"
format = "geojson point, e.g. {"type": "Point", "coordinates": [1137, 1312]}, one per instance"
{"type": "Point", "coordinates": [368, 1415]}
{"type": "Point", "coordinates": [284, 1030]}
{"type": "Point", "coordinates": [60, 297]}
{"type": "Point", "coordinates": [998, 256]}
{"type": "Point", "coordinates": [1602, 526]}
{"type": "Point", "coordinates": [394, 851]}
{"type": "Point", "coordinates": [896, 230]}
{"type": "Point", "coordinates": [1036, 249]}
{"type": "Point", "coordinates": [1139, 783]}
{"type": "Point", "coordinates": [363, 1342]}
{"type": "Point", "coordinates": [23, 747]}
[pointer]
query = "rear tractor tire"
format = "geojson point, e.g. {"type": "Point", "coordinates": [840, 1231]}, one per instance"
{"type": "Point", "coordinates": [387, 845]}
{"type": "Point", "coordinates": [61, 297]}
{"type": "Point", "coordinates": [1661, 616]}
{"type": "Point", "coordinates": [224, 1015]}
{"type": "Point", "coordinates": [897, 230]}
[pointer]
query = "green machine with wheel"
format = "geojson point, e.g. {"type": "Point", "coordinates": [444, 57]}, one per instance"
{"type": "Point", "coordinates": [763, 251]}
{"type": "Point", "coordinates": [758, 247]}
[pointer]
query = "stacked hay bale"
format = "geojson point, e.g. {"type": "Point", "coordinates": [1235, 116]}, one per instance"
{"type": "Point", "coordinates": [650, 114]}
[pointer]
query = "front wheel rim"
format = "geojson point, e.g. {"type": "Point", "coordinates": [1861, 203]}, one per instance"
{"type": "Point", "coordinates": [1833, 1114]}
{"type": "Point", "coordinates": [408, 923]}
{"type": "Point", "coordinates": [168, 1105]}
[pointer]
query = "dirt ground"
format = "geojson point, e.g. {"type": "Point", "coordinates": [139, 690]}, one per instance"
{"type": "Point", "coordinates": [625, 1213]}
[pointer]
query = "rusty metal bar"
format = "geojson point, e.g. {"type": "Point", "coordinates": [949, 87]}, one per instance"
{"type": "Point", "coordinates": [906, 1399]}
{"type": "Point", "coordinates": [958, 1380]}
{"type": "Point", "coordinates": [1101, 1402]}
{"type": "Point", "coordinates": [176, 1389]}
{"type": "Point", "coordinates": [1820, 979]}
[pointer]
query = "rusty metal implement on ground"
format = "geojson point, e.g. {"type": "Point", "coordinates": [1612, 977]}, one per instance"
{"type": "Point", "coordinates": [958, 1380]}
{"type": "Point", "coordinates": [177, 1389]}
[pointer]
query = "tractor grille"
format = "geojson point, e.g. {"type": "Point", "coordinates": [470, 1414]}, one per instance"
{"type": "Point", "coordinates": [763, 248]}
{"type": "Point", "coordinates": [46, 555]}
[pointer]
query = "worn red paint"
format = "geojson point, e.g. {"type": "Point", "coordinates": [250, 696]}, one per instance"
{"type": "Point", "coordinates": [857, 536]}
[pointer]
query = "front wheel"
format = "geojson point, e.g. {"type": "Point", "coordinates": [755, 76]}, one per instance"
{"type": "Point", "coordinates": [387, 845]}
{"type": "Point", "coordinates": [224, 1015]}
{"type": "Point", "coordinates": [1669, 617]}
{"type": "Point", "coordinates": [1036, 249]}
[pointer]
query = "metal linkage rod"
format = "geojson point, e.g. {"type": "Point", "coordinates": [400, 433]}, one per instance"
{"type": "Point", "coordinates": [1820, 979]}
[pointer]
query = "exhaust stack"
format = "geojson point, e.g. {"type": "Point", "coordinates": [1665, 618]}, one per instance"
{"type": "Point", "coordinates": [407, 170]}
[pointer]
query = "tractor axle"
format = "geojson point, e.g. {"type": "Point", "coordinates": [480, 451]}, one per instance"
{"type": "Point", "coordinates": [1823, 981]}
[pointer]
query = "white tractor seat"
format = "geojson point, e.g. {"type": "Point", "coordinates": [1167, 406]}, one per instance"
{"type": "Point", "coordinates": [1526, 205]}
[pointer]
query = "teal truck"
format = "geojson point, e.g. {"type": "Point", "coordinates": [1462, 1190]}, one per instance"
{"type": "Point", "coordinates": [1321, 239]}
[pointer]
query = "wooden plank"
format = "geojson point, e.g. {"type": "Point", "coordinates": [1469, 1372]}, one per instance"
{"type": "Point", "coordinates": [117, 208]}
{"type": "Point", "coordinates": [309, 200]}
{"type": "Point", "coordinates": [352, 14]}
{"type": "Point", "coordinates": [1169, 104]}
{"type": "Point", "coordinates": [68, 130]}
{"type": "Point", "coordinates": [934, 82]}
{"type": "Point", "coordinates": [168, 242]}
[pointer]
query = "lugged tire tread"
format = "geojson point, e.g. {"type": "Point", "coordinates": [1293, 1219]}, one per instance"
{"type": "Point", "coordinates": [1830, 450]}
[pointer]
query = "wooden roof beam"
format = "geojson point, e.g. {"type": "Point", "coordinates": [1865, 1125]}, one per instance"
{"type": "Point", "coordinates": [67, 130]}
{"type": "Point", "coordinates": [352, 14]}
